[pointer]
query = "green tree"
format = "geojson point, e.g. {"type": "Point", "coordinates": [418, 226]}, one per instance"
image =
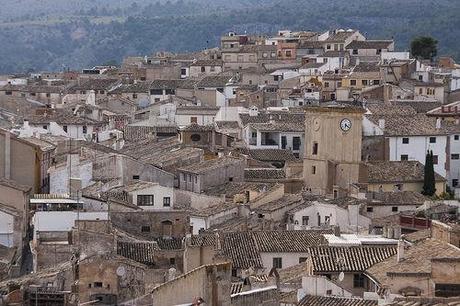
{"type": "Point", "coordinates": [429, 188]}
{"type": "Point", "coordinates": [424, 47]}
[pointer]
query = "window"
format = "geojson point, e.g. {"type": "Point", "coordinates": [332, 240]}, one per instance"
{"type": "Point", "coordinates": [277, 262]}
{"type": "Point", "coordinates": [394, 209]}
{"type": "Point", "coordinates": [45, 127]}
{"type": "Point", "coordinates": [454, 182]}
{"type": "Point", "coordinates": [8, 93]}
{"type": "Point", "coordinates": [456, 137]}
{"type": "Point", "coordinates": [435, 159]}
{"type": "Point", "coordinates": [302, 259]}
{"type": "Point", "coordinates": [376, 82]}
{"type": "Point", "coordinates": [156, 92]}
{"type": "Point", "coordinates": [358, 280]}
{"type": "Point", "coordinates": [364, 82]}
{"type": "Point", "coordinates": [136, 177]}
{"type": "Point", "coordinates": [170, 91]}
{"type": "Point", "coordinates": [101, 92]}
{"type": "Point", "coordinates": [195, 137]}
{"type": "Point", "coordinates": [172, 261]}
{"type": "Point", "coordinates": [313, 169]}
{"type": "Point", "coordinates": [326, 84]}
{"type": "Point", "coordinates": [254, 135]}
{"type": "Point", "coordinates": [183, 71]}
{"type": "Point", "coordinates": [296, 143]}
{"type": "Point", "coordinates": [33, 94]}
{"type": "Point", "coordinates": [405, 140]}
{"type": "Point", "coordinates": [85, 129]}
{"type": "Point", "coordinates": [315, 149]}
{"type": "Point", "coordinates": [193, 120]}
{"type": "Point", "coordinates": [97, 284]}
{"type": "Point", "coordinates": [370, 209]}
{"type": "Point", "coordinates": [305, 220]}
{"type": "Point", "coordinates": [454, 156]}
{"type": "Point", "coordinates": [353, 82]}
{"type": "Point", "coordinates": [355, 51]}
{"type": "Point", "coordinates": [328, 47]}
{"type": "Point", "coordinates": [288, 53]}
{"type": "Point", "coordinates": [432, 139]}
{"type": "Point", "coordinates": [404, 157]}
{"type": "Point", "coordinates": [145, 200]}
{"type": "Point", "coordinates": [145, 229]}
{"type": "Point", "coordinates": [203, 69]}
{"type": "Point", "coordinates": [134, 96]}
{"type": "Point", "coordinates": [166, 201]}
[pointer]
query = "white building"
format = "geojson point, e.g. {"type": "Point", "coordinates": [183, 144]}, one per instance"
{"type": "Point", "coordinates": [322, 214]}
{"type": "Point", "coordinates": [410, 137]}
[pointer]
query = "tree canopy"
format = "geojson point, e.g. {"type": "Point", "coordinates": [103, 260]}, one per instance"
{"type": "Point", "coordinates": [424, 47]}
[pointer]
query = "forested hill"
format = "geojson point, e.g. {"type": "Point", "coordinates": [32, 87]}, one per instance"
{"type": "Point", "coordinates": [52, 34]}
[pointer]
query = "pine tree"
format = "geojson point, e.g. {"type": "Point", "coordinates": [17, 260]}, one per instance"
{"type": "Point", "coordinates": [429, 187]}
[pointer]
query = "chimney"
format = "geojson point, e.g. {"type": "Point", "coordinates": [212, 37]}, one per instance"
{"type": "Point", "coordinates": [438, 123]}
{"type": "Point", "coordinates": [337, 231]}
{"type": "Point", "coordinates": [382, 124]}
{"type": "Point", "coordinates": [400, 255]}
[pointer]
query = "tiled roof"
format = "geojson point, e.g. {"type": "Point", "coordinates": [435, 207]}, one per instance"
{"type": "Point", "coordinates": [417, 301]}
{"type": "Point", "coordinates": [272, 155]}
{"type": "Point", "coordinates": [367, 67]}
{"type": "Point", "coordinates": [207, 165]}
{"type": "Point", "coordinates": [227, 124]}
{"type": "Point", "coordinates": [62, 119]}
{"type": "Point", "coordinates": [419, 106]}
{"type": "Point", "coordinates": [415, 125]}
{"type": "Point", "coordinates": [199, 110]}
{"type": "Point", "coordinates": [231, 189]}
{"type": "Point", "coordinates": [289, 241]}
{"type": "Point", "coordinates": [280, 126]}
{"type": "Point", "coordinates": [264, 174]}
{"type": "Point", "coordinates": [143, 252]}
{"type": "Point", "coordinates": [244, 248]}
{"type": "Point", "coordinates": [382, 109]}
{"type": "Point", "coordinates": [95, 84]}
{"type": "Point", "coordinates": [398, 198]}
{"type": "Point", "coordinates": [265, 117]}
{"type": "Point", "coordinates": [195, 127]}
{"type": "Point", "coordinates": [207, 62]}
{"type": "Point", "coordinates": [166, 84]}
{"type": "Point", "coordinates": [369, 44]}
{"type": "Point", "coordinates": [287, 201]}
{"type": "Point", "coordinates": [348, 259]}
{"type": "Point", "coordinates": [241, 248]}
{"type": "Point", "coordinates": [397, 172]}
{"type": "Point", "coordinates": [214, 81]}
{"type": "Point", "coordinates": [417, 260]}
{"type": "Point", "coordinates": [310, 300]}
{"type": "Point", "coordinates": [340, 36]}
{"type": "Point", "coordinates": [418, 235]}
{"type": "Point", "coordinates": [333, 54]}
{"type": "Point", "coordinates": [139, 87]}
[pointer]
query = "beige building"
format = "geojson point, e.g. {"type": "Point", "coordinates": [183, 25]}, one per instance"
{"type": "Point", "coordinates": [332, 148]}
{"type": "Point", "coordinates": [25, 161]}
{"type": "Point", "coordinates": [389, 176]}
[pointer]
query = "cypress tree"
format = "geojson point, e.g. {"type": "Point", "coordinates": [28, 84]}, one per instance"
{"type": "Point", "coordinates": [429, 187]}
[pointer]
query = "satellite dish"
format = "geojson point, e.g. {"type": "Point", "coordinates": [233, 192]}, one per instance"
{"type": "Point", "coordinates": [341, 276]}
{"type": "Point", "coordinates": [121, 271]}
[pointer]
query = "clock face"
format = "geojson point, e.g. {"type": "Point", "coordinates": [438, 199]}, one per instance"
{"type": "Point", "coordinates": [345, 124]}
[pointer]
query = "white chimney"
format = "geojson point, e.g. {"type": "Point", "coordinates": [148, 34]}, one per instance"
{"type": "Point", "coordinates": [438, 123]}
{"type": "Point", "coordinates": [382, 124]}
{"type": "Point", "coordinates": [400, 255]}
{"type": "Point", "coordinates": [91, 99]}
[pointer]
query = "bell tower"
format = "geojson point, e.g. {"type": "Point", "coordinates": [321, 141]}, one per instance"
{"type": "Point", "coordinates": [333, 137]}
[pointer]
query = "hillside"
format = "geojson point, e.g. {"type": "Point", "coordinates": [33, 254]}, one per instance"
{"type": "Point", "coordinates": [77, 37]}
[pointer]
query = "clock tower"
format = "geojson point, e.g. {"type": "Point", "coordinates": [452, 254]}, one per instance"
{"type": "Point", "coordinates": [333, 137]}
